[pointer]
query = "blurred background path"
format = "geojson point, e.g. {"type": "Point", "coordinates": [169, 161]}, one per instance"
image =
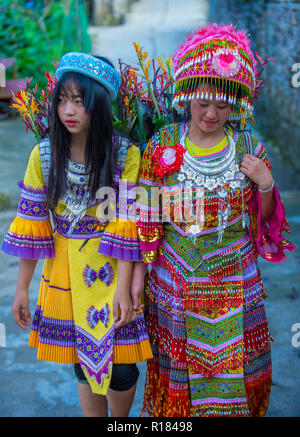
{"type": "Point", "coordinates": [33, 388]}
{"type": "Point", "coordinates": [158, 25]}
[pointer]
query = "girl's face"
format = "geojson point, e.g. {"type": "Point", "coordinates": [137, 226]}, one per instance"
{"type": "Point", "coordinates": [209, 116]}
{"type": "Point", "coordinates": [71, 111]}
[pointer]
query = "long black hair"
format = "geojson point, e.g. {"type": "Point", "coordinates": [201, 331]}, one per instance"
{"type": "Point", "coordinates": [99, 156]}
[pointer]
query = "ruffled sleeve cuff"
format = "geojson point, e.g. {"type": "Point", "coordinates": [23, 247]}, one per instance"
{"type": "Point", "coordinates": [120, 240]}
{"type": "Point", "coordinates": [267, 237]}
{"type": "Point", "coordinates": [30, 234]}
{"type": "Point", "coordinates": [29, 239]}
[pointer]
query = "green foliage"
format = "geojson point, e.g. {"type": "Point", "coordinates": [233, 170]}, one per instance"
{"type": "Point", "coordinates": [38, 36]}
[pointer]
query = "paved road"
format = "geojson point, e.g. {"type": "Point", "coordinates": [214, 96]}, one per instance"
{"type": "Point", "coordinates": [33, 388]}
{"type": "Point", "coordinates": [158, 25]}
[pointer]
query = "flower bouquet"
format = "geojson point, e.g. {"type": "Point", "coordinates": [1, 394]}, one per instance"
{"type": "Point", "coordinates": [34, 109]}
{"type": "Point", "coordinates": [144, 102]}
{"type": "Point", "coordinates": [143, 105]}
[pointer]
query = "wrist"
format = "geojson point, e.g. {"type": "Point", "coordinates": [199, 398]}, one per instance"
{"type": "Point", "coordinates": [22, 290]}
{"type": "Point", "coordinates": [139, 266]}
{"type": "Point", "coordinates": [266, 187]}
{"type": "Point", "coordinates": [123, 291]}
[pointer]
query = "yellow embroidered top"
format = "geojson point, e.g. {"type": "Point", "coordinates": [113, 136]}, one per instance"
{"type": "Point", "coordinates": [74, 319]}
{"type": "Point", "coordinates": [31, 236]}
{"type": "Point", "coordinates": [204, 151]}
{"type": "Point", "coordinates": [201, 152]}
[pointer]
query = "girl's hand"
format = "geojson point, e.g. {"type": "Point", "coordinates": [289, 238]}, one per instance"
{"type": "Point", "coordinates": [122, 307]}
{"type": "Point", "coordinates": [138, 284]}
{"type": "Point", "coordinates": [20, 308]}
{"type": "Point", "coordinates": [257, 171]}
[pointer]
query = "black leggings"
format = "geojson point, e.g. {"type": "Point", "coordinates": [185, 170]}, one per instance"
{"type": "Point", "coordinates": [124, 376]}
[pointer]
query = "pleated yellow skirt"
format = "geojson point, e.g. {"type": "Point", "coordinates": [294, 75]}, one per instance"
{"type": "Point", "coordinates": [73, 321]}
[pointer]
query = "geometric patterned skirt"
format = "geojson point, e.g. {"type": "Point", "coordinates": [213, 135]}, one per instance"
{"type": "Point", "coordinates": [207, 362]}
{"type": "Point", "coordinates": [73, 321]}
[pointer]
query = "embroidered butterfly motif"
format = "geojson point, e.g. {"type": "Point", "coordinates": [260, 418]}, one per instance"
{"type": "Point", "coordinates": [93, 316]}
{"type": "Point", "coordinates": [105, 274]}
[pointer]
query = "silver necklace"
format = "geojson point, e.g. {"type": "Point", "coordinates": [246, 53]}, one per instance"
{"type": "Point", "coordinates": [77, 197]}
{"type": "Point", "coordinates": [211, 168]}
{"type": "Point", "coordinates": [212, 176]}
{"type": "Point", "coordinates": [191, 145]}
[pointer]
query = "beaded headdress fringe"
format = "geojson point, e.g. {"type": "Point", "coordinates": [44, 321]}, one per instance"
{"type": "Point", "coordinates": [225, 91]}
{"type": "Point", "coordinates": [220, 58]}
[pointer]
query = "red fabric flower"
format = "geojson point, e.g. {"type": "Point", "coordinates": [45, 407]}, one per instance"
{"type": "Point", "coordinates": [168, 159]}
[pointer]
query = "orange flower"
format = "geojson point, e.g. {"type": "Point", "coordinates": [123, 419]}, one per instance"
{"type": "Point", "coordinates": [169, 62]}
{"type": "Point", "coordinates": [138, 50]}
{"type": "Point", "coordinates": [33, 106]}
{"type": "Point", "coordinates": [146, 69]}
{"type": "Point", "coordinates": [24, 96]}
{"type": "Point", "coordinates": [162, 65]}
{"type": "Point", "coordinates": [20, 105]}
{"type": "Point", "coordinates": [136, 72]}
{"type": "Point", "coordinates": [144, 56]}
{"type": "Point", "coordinates": [21, 108]}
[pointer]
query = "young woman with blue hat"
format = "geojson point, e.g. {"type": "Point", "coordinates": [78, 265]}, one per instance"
{"type": "Point", "coordinates": [84, 314]}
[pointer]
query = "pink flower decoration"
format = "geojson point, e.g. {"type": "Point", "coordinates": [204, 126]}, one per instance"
{"type": "Point", "coordinates": [167, 160]}
{"type": "Point", "coordinates": [226, 65]}
{"type": "Point", "coordinates": [168, 157]}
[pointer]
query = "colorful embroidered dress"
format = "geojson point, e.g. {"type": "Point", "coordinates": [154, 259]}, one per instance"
{"type": "Point", "coordinates": [73, 321]}
{"type": "Point", "coordinates": [206, 319]}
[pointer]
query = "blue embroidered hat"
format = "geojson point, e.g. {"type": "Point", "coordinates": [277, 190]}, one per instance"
{"type": "Point", "coordinates": [92, 67]}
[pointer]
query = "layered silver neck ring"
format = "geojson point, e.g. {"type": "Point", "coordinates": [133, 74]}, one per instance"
{"type": "Point", "coordinates": [77, 197]}
{"type": "Point", "coordinates": [213, 176]}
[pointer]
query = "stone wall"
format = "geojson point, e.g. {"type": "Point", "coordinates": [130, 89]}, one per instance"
{"type": "Point", "coordinates": [274, 28]}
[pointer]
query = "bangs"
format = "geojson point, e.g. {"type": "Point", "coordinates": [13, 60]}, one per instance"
{"type": "Point", "coordinates": [99, 156]}
{"type": "Point", "coordinates": [75, 84]}
{"type": "Point", "coordinates": [71, 86]}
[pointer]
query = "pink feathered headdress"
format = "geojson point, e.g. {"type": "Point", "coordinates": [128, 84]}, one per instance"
{"type": "Point", "coordinates": [221, 57]}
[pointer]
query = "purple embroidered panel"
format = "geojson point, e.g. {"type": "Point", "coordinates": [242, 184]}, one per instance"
{"type": "Point", "coordinates": [132, 333]}
{"type": "Point", "coordinates": [53, 331]}
{"type": "Point", "coordinates": [96, 356]}
{"type": "Point", "coordinates": [33, 207]}
{"type": "Point", "coordinates": [124, 248]}
{"type": "Point", "coordinates": [33, 203]}
{"type": "Point", "coordinates": [83, 229]}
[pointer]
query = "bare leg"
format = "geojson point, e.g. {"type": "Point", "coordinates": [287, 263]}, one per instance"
{"type": "Point", "coordinates": [120, 402]}
{"type": "Point", "coordinates": [92, 405]}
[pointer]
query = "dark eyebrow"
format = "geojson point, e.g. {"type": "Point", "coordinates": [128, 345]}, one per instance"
{"type": "Point", "coordinates": [73, 96]}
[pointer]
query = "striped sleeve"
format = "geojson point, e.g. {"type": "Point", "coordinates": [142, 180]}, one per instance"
{"type": "Point", "coordinates": [267, 236]}
{"type": "Point", "coordinates": [120, 238]}
{"type": "Point", "coordinates": [30, 234]}
{"type": "Point", "coordinates": [150, 227]}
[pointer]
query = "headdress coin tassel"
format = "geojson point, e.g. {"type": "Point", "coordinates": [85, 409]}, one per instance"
{"type": "Point", "coordinates": [220, 57]}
